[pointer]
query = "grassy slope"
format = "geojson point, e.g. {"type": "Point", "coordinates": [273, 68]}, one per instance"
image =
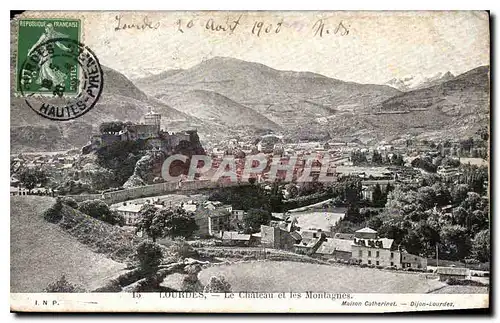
{"type": "Point", "coordinates": [274, 276]}
{"type": "Point", "coordinates": [41, 252]}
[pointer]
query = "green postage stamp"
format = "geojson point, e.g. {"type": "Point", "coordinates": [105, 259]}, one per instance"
{"type": "Point", "coordinates": [54, 71]}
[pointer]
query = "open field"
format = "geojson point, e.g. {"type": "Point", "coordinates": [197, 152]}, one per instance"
{"type": "Point", "coordinates": [462, 290]}
{"type": "Point", "coordinates": [284, 276]}
{"type": "Point", "coordinates": [317, 220]}
{"type": "Point", "coordinates": [175, 199]}
{"type": "Point", "coordinates": [41, 251]}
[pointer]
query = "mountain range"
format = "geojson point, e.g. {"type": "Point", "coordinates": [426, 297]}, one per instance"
{"type": "Point", "coordinates": [223, 97]}
{"type": "Point", "coordinates": [416, 82]}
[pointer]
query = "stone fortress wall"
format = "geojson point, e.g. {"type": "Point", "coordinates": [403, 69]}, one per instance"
{"type": "Point", "coordinates": [153, 190]}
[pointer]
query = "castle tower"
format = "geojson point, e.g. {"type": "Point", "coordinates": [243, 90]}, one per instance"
{"type": "Point", "coordinates": [152, 118]}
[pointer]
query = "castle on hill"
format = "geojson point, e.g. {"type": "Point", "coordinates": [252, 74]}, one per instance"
{"type": "Point", "coordinates": [149, 131]}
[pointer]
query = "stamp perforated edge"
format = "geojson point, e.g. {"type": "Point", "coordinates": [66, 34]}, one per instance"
{"type": "Point", "coordinates": [14, 41]}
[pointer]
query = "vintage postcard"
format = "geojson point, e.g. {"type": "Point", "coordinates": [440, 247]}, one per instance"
{"type": "Point", "coordinates": [238, 162]}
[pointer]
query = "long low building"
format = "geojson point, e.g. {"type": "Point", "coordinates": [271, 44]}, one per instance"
{"type": "Point", "coordinates": [365, 247]}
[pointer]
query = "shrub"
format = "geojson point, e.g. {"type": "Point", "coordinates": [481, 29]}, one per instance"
{"type": "Point", "coordinates": [380, 267]}
{"type": "Point", "coordinates": [192, 269]}
{"type": "Point", "coordinates": [191, 283]}
{"type": "Point", "coordinates": [464, 282]}
{"type": "Point", "coordinates": [63, 286]}
{"type": "Point", "coordinates": [99, 210]}
{"type": "Point", "coordinates": [371, 266]}
{"type": "Point", "coordinates": [69, 201]}
{"type": "Point", "coordinates": [149, 255]}
{"type": "Point", "coordinates": [181, 249]}
{"type": "Point", "coordinates": [217, 284]}
{"type": "Point", "coordinates": [53, 214]}
{"type": "Point", "coordinates": [363, 265]}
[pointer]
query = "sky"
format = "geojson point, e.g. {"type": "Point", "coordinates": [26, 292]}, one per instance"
{"type": "Point", "coordinates": [378, 46]}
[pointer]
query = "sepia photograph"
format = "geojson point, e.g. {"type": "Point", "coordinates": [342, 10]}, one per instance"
{"type": "Point", "coordinates": [249, 161]}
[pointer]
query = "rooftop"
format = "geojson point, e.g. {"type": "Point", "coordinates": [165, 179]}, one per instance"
{"type": "Point", "coordinates": [366, 230]}
{"type": "Point", "coordinates": [331, 245]}
{"type": "Point", "coordinates": [233, 235]}
{"type": "Point", "coordinates": [383, 243]}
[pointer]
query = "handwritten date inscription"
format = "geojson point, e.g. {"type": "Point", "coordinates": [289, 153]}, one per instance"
{"type": "Point", "coordinates": [258, 28]}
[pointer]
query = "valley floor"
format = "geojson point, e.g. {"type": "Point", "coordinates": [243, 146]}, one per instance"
{"type": "Point", "coordinates": [284, 276]}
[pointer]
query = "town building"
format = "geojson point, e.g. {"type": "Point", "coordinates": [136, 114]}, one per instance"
{"type": "Point", "coordinates": [368, 249]}
{"type": "Point", "coordinates": [413, 261]}
{"type": "Point", "coordinates": [336, 249]}
{"type": "Point", "coordinates": [17, 191]}
{"type": "Point", "coordinates": [218, 221]}
{"type": "Point", "coordinates": [278, 238]}
{"type": "Point", "coordinates": [233, 238]}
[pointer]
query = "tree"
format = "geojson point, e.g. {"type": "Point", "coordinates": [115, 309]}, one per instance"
{"type": "Point", "coordinates": [425, 164]}
{"type": "Point", "coordinates": [254, 218]}
{"type": "Point", "coordinates": [191, 283]}
{"type": "Point", "coordinates": [292, 190]}
{"type": "Point", "coordinates": [450, 162]}
{"type": "Point", "coordinates": [31, 177]}
{"type": "Point", "coordinates": [394, 228]}
{"type": "Point", "coordinates": [426, 196]}
{"type": "Point", "coordinates": [62, 285]}
{"type": "Point", "coordinates": [481, 246]}
{"type": "Point", "coordinates": [467, 144]}
{"type": "Point", "coordinates": [358, 158]}
{"type": "Point", "coordinates": [376, 158]}
{"type": "Point", "coordinates": [375, 223]}
{"type": "Point", "coordinates": [353, 214]}
{"type": "Point", "coordinates": [455, 243]}
{"type": "Point", "coordinates": [165, 222]}
{"type": "Point", "coordinates": [111, 127]}
{"type": "Point", "coordinates": [149, 255]}
{"type": "Point", "coordinates": [178, 223]}
{"type": "Point", "coordinates": [99, 210]}
{"type": "Point", "coordinates": [378, 196]}
{"type": "Point", "coordinates": [69, 202]}
{"type": "Point", "coordinates": [459, 193]}
{"type": "Point", "coordinates": [217, 284]}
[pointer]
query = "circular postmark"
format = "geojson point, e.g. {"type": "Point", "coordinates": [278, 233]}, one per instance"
{"type": "Point", "coordinates": [61, 79]}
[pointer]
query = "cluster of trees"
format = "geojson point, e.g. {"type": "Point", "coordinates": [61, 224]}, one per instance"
{"type": "Point", "coordinates": [95, 208]}
{"type": "Point", "coordinates": [380, 196]}
{"type": "Point", "coordinates": [415, 219]}
{"type": "Point", "coordinates": [171, 222]}
{"type": "Point", "coordinates": [113, 126]}
{"type": "Point", "coordinates": [475, 177]}
{"type": "Point", "coordinates": [32, 177]}
{"type": "Point", "coordinates": [254, 218]}
{"type": "Point", "coordinates": [99, 210]}
{"type": "Point", "coordinates": [248, 197]}
{"type": "Point", "coordinates": [424, 163]}
{"type": "Point", "coordinates": [358, 158]}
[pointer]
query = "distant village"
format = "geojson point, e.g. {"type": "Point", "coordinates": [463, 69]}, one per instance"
{"type": "Point", "coordinates": [302, 230]}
